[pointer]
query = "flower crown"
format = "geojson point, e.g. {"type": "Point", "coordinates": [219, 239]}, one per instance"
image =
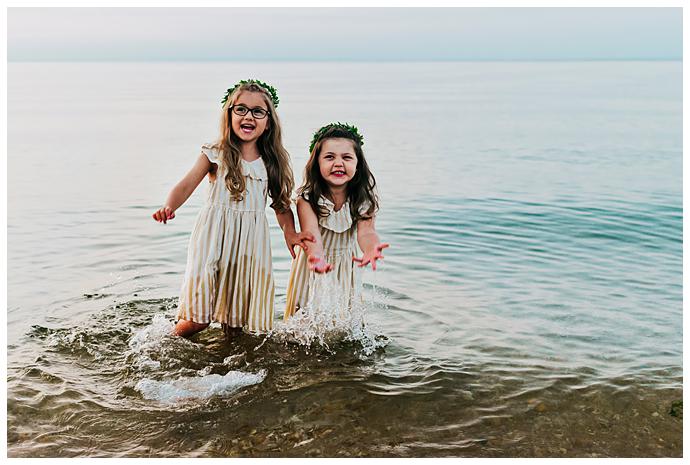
{"type": "Point", "coordinates": [344, 126]}
{"type": "Point", "coordinates": [270, 89]}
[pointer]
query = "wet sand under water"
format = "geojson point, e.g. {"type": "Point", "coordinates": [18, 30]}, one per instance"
{"type": "Point", "coordinates": [315, 403]}
{"type": "Point", "coordinates": [570, 427]}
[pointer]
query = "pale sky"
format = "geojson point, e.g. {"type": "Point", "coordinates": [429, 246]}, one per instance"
{"type": "Point", "coordinates": [352, 34]}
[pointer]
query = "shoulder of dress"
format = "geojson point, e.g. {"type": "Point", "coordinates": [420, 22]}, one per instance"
{"type": "Point", "coordinates": [337, 221]}
{"type": "Point", "coordinates": [211, 152]}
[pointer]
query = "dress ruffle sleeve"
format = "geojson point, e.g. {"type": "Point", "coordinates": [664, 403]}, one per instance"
{"type": "Point", "coordinates": [364, 208]}
{"type": "Point", "coordinates": [211, 153]}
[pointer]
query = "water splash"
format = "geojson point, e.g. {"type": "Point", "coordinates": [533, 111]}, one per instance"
{"type": "Point", "coordinates": [152, 334]}
{"type": "Point", "coordinates": [197, 388]}
{"type": "Point", "coordinates": [146, 344]}
{"type": "Point", "coordinates": [168, 374]}
{"type": "Point", "coordinates": [332, 315]}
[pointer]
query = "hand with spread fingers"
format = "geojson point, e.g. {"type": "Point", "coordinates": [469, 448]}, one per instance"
{"type": "Point", "coordinates": [370, 256]}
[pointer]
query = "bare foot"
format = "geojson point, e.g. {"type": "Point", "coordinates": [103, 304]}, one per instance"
{"type": "Point", "coordinates": [186, 328]}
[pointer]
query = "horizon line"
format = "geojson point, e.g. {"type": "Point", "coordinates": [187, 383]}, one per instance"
{"type": "Point", "coordinates": [331, 60]}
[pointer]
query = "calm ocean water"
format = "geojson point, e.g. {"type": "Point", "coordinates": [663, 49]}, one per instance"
{"type": "Point", "coordinates": [530, 303]}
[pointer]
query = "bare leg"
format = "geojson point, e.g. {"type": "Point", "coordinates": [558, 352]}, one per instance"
{"type": "Point", "coordinates": [186, 328]}
{"type": "Point", "coordinates": [231, 331]}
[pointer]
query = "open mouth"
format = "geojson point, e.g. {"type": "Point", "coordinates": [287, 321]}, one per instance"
{"type": "Point", "coordinates": [338, 173]}
{"type": "Point", "coordinates": [247, 128]}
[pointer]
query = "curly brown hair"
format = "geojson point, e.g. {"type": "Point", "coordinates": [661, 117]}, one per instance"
{"type": "Point", "coordinates": [361, 189]}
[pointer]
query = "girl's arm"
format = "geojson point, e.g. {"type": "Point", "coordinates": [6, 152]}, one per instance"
{"type": "Point", "coordinates": [309, 223]}
{"type": "Point", "coordinates": [369, 242]}
{"type": "Point", "coordinates": [183, 189]}
{"type": "Point", "coordinates": [286, 220]}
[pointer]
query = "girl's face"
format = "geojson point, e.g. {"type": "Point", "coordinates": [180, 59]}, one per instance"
{"type": "Point", "coordinates": [248, 127]}
{"type": "Point", "coordinates": [337, 161]}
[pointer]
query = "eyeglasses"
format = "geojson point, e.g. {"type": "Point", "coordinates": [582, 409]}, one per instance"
{"type": "Point", "coordinates": [241, 110]}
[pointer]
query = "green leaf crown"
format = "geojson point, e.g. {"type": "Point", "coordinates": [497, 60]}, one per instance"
{"type": "Point", "coordinates": [268, 88]}
{"type": "Point", "coordinates": [344, 126]}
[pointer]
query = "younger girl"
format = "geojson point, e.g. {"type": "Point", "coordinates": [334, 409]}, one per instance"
{"type": "Point", "coordinates": [229, 276]}
{"type": "Point", "coordinates": [336, 203]}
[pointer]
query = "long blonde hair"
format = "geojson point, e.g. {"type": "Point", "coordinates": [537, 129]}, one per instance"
{"type": "Point", "coordinates": [270, 145]}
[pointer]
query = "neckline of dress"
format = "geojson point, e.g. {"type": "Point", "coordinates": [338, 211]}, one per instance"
{"type": "Point", "coordinates": [332, 204]}
{"type": "Point", "coordinates": [250, 162]}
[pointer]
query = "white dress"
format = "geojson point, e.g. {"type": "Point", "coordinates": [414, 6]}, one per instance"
{"type": "Point", "coordinates": [339, 244]}
{"type": "Point", "coordinates": [229, 273]}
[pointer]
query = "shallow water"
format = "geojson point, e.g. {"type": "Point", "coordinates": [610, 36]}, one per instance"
{"type": "Point", "coordinates": [530, 304]}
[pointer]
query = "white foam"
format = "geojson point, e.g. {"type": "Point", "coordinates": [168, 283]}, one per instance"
{"type": "Point", "coordinates": [235, 360]}
{"type": "Point", "coordinates": [331, 315]}
{"type": "Point", "coordinates": [197, 388]}
{"type": "Point", "coordinates": [152, 334]}
{"type": "Point", "coordinates": [151, 345]}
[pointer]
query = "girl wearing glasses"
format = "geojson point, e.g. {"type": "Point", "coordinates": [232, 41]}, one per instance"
{"type": "Point", "coordinates": [229, 275]}
{"type": "Point", "coordinates": [336, 205]}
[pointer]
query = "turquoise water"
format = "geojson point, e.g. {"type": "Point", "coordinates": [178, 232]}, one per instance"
{"type": "Point", "coordinates": [534, 279]}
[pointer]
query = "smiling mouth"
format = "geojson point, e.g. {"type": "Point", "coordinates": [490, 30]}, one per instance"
{"type": "Point", "coordinates": [338, 173]}
{"type": "Point", "coordinates": [247, 128]}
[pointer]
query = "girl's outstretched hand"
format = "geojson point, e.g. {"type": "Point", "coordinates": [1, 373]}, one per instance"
{"type": "Point", "coordinates": [371, 256]}
{"type": "Point", "coordinates": [163, 214]}
{"type": "Point", "coordinates": [319, 264]}
{"type": "Point", "coordinates": [294, 238]}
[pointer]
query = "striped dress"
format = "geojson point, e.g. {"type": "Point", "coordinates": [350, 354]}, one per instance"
{"type": "Point", "coordinates": [229, 273]}
{"type": "Point", "coordinates": [339, 244]}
